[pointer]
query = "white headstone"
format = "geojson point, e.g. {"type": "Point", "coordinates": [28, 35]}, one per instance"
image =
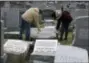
{"type": "Point", "coordinates": [16, 50]}
{"type": "Point", "coordinates": [44, 51]}
{"type": "Point", "coordinates": [70, 54]}
{"type": "Point", "coordinates": [47, 32]}
{"type": "Point", "coordinates": [48, 20]}
{"type": "Point", "coordinates": [15, 46]}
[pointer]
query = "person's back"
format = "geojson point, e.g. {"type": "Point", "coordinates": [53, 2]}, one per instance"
{"type": "Point", "coordinates": [66, 17]}
{"type": "Point", "coordinates": [29, 14]}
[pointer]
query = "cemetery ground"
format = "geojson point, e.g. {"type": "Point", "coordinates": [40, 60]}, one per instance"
{"type": "Point", "coordinates": [67, 42]}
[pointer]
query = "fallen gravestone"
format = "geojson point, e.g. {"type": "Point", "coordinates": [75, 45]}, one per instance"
{"type": "Point", "coordinates": [70, 54]}
{"type": "Point", "coordinates": [44, 51]}
{"type": "Point", "coordinates": [16, 51]}
{"type": "Point", "coordinates": [46, 32]}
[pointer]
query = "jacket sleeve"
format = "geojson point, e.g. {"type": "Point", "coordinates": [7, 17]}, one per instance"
{"type": "Point", "coordinates": [70, 18]}
{"type": "Point", "coordinates": [37, 20]}
{"type": "Point", "coordinates": [58, 23]}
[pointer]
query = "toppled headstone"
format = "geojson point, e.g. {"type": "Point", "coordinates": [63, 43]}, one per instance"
{"type": "Point", "coordinates": [44, 51]}
{"type": "Point", "coordinates": [16, 50]}
{"type": "Point", "coordinates": [71, 54]}
{"type": "Point", "coordinates": [46, 32]}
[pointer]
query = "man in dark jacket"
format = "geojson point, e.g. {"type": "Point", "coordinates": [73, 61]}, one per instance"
{"type": "Point", "coordinates": [65, 20]}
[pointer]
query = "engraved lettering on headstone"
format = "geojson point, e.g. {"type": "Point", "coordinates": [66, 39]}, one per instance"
{"type": "Point", "coordinates": [46, 46]}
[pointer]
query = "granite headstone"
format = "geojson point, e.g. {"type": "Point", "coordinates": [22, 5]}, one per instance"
{"type": "Point", "coordinates": [11, 17]}
{"type": "Point", "coordinates": [2, 35]}
{"type": "Point", "coordinates": [81, 34]}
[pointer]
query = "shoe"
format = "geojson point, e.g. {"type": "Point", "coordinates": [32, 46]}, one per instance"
{"type": "Point", "coordinates": [20, 38]}
{"type": "Point", "coordinates": [27, 39]}
{"type": "Point", "coordinates": [65, 38]}
{"type": "Point", "coordinates": [60, 39]}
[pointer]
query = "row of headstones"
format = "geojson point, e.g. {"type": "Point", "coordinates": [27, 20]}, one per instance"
{"type": "Point", "coordinates": [81, 38]}
{"type": "Point", "coordinates": [17, 50]}
{"type": "Point", "coordinates": [16, 20]}
{"type": "Point", "coordinates": [14, 51]}
{"type": "Point", "coordinates": [20, 50]}
{"type": "Point", "coordinates": [44, 51]}
{"type": "Point", "coordinates": [18, 53]}
{"type": "Point", "coordinates": [12, 18]}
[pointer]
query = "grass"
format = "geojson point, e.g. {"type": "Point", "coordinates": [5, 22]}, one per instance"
{"type": "Point", "coordinates": [64, 42]}
{"type": "Point", "coordinates": [67, 42]}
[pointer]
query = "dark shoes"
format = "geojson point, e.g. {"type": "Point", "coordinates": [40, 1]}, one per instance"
{"type": "Point", "coordinates": [20, 38]}
{"type": "Point", "coordinates": [61, 39]}
{"type": "Point", "coordinates": [27, 39]}
{"type": "Point", "coordinates": [65, 38]}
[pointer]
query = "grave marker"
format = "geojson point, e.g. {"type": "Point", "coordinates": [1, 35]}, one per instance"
{"type": "Point", "coordinates": [71, 54]}
{"type": "Point", "coordinates": [44, 51]}
{"type": "Point", "coordinates": [16, 50]}
{"type": "Point", "coordinates": [82, 30]}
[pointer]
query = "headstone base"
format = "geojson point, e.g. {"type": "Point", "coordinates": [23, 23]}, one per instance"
{"type": "Point", "coordinates": [41, 59]}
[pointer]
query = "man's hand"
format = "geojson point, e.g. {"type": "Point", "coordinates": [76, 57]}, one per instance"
{"type": "Point", "coordinates": [42, 25]}
{"type": "Point", "coordinates": [39, 30]}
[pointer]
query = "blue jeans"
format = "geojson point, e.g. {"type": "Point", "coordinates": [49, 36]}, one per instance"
{"type": "Point", "coordinates": [25, 27]}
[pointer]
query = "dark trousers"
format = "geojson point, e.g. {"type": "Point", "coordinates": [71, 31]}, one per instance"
{"type": "Point", "coordinates": [64, 29]}
{"type": "Point", "coordinates": [58, 24]}
{"type": "Point", "coordinates": [25, 28]}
